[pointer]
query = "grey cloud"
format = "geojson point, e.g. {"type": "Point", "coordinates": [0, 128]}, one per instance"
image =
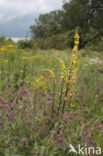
{"type": "Point", "coordinates": [17, 15]}
{"type": "Point", "coordinates": [10, 9]}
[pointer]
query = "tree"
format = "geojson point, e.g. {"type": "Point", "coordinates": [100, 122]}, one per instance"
{"type": "Point", "coordinates": [82, 13]}
{"type": "Point", "coordinates": [75, 13]}
{"type": "Point", "coordinates": [47, 25]}
{"type": "Point", "coordinates": [87, 15]}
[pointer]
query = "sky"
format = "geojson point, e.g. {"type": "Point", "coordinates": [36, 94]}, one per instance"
{"type": "Point", "coordinates": [17, 15]}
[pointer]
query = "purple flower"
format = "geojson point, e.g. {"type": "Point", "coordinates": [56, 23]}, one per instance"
{"type": "Point", "coordinates": [26, 92]}
{"type": "Point", "coordinates": [32, 152]}
{"type": "Point", "coordinates": [48, 98]}
{"type": "Point", "coordinates": [79, 137]}
{"type": "Point", "coordinates": [25, 101]}
{"type": "Point", "coordinates": [65, 120]}
{"type": "Point", "coordinates": [1, 124]}
{"type": "Point", "coordinates": [4, 102]}
{"type": "Point", "coordinates": [9, 85]}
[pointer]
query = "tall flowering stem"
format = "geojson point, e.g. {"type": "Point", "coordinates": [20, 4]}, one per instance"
{"type": "Point", "coordinates": [63, 72]}
{"type": "Point", "coordinates": [52, 76]}
{"type": "Point", "coordinates": [72, 74]}
{"type": "Point", "coordinates": [53, 103]}
{"type": "Point", "coordinates": [74, 67]}
{"type": "Point", "coordinates": [2, 76]}
{"type": "Point", "coordinates": [66, 92]}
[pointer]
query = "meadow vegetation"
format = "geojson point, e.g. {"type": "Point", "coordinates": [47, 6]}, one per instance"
{"type": "Point", "coordinates": [50, 99]}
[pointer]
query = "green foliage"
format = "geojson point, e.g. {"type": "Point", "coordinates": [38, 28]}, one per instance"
{"type": "Point", "coordinates": [25, 114]}
{"type": "Point", "coordinates": [2, 40]}
{"type": "Point", "coordinates": [96, 45]}
{"type": "Point", "coordinates": [55, 41]}
{"type": "Point", "coordinates": [47, 25]}
{"type": "Point", "coordinates": [23, 44]}
{"type": "Point", "coordinates": [84, 14]}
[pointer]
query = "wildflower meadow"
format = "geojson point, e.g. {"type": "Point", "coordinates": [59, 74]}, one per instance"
{"type": "Point", "coordinates": [49, 100]}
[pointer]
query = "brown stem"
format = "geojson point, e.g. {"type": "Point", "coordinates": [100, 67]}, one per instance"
{"type": "Point", "coordinates": [52, 109]}
{"type": "Point", "coordinates": [70, 102]}
{"type": "Point", "coordinates": [61, 94]}
{"type": "Point", "coordinates": [66, 92]}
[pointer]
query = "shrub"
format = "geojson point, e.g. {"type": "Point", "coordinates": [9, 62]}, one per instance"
{"type": "Point", "coordinates": [2, 40]}
{"type": "Point", "coordinates": [23, 44]}
{"type": "Point", "coordinates": [96, 45]}
{"type": "Point", "coordinates": [55, 41]}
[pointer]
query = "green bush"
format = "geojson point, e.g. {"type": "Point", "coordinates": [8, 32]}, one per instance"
{"type": "Point", "coordinates": [88, 39]}
{"type": "Point", "coordinates": [55, 41]}
{"type": "Point", "coordinates": [23, 44]}
{"type": "Point", "coordinates": [96, 45]}
{"type": "Point", "coordinates": [2, 40]}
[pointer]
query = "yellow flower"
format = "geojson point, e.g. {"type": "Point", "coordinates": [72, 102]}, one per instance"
{"type": "Point", "coordinates": [5, 61]}
{"type": "Point", "coordinates": [42, 77]}
{"type": "Point", "coordinates": [21, 71]}
{"type": "Point", "coordinates": [75, 48]}
{"type": "Point", "coordinates": [62, 75]}
{"type": "Point", "coordinates": [96, 96]}
{"type": "Point", "coordinates": [11, 46]}
{"type": "Point", "coordinates": [37, 80]}
{"type": "Point", "coordinates": [75, 61]}
{"type": "Point", "coordinates": [13, 50]}
{"type": "Point", "coordinates": [25, 58]}
{"type": "Point", "coordinates": [72, 105]}
{"type": "Point", "coordinates": [76, 36]}
{"type": "Point", "coordinates": [34, 57]}
{"type": "Point", "coordinates": [24, 53]}
{"type": "Point", "coordinates": [76, 42]}
{"type": "Point", "coordinates": [51, 74]}
{"type": "Point", "coordinates": [22, 50]}
{"type": "Point", "coordinates": [3, 49]}
{"type": "Point", "coordinates": [44, 88]}
{"type": "Point", "coordinates": [32, 84]}
{"type": "Point", "coordinates": [62, 65]}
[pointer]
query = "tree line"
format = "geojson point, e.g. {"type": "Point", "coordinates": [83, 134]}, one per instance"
{"type": "Point", "coordinates": [87, 15]}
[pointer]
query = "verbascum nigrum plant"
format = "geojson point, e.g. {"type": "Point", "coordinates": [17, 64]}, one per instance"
{"type": "Point", "coordinates": [72, 74]}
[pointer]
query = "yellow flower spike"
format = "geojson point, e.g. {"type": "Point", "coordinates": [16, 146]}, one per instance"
{"type": "Point", "coordinates": [42, 77]}
{"type": "Point", "coordinates": [63, 70]}
{"type": "Point", "coordinates": [51, 74]}
{"type": "Point", "coordinates": [76, 36]}
{"type": "Point", "coordinates": [5, 61]}
{"type": "Point", "coordinates": [63, 67]}
{"type": "Point", "coordinates": [72, 73]}
{"type": "Point", "coordinates": [75, 49]}
{"type": "Point", "coordinates": [76, 42]}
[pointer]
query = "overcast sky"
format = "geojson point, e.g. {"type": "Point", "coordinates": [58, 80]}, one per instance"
{"type": "Point", "coordinates": [17, 15]}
